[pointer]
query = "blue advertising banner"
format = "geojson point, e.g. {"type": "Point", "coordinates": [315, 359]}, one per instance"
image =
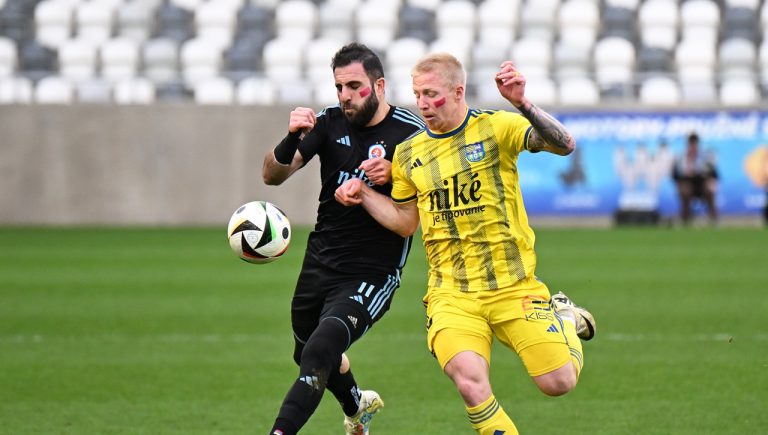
{"type": "Point", "coordinates": [624, 160]}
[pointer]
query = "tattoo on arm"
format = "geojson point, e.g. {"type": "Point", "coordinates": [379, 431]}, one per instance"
{"type": "Point", "coordinates": [548, 133]}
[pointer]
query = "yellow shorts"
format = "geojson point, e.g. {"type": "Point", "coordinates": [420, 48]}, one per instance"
{"type": "Point", "coordinates": [520, 317]}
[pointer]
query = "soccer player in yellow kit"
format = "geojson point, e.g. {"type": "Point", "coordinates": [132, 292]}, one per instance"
{"type": "Point", "coordinates": [459, 178]}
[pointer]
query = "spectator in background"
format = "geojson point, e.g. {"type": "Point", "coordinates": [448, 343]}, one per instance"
{"type": "Point", "coordinates": [696, 177]}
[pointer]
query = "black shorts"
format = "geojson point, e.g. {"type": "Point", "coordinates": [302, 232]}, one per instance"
{"type": "Point", "coordinates": [359, 299]}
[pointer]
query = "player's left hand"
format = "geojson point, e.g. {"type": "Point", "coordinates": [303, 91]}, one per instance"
{"type": "Point", "coordinates": [349, 192]}
{"type": "Point", "coordinates": [378, 170]}
{"type": "Point", "coordinates": [511, 83]}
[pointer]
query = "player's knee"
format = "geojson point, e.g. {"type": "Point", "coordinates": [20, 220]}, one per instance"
{"type": "Point", "coordinates": [558, 382]}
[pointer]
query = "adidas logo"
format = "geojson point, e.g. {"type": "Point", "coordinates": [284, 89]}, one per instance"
{"type": "Point", "coordinates": [344, 141]}
{"type": "Point", "coordinates": [353, 320]}
{"type": "Point", "coordinates": [311, 381]}
{"type": "Point", "coordinates": [552, 328]}
{"type": "Point", "coordinates": [416, 163]}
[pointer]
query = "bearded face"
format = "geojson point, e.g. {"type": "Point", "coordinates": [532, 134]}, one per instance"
{"type": "Point", "coordinates": [361, 115]}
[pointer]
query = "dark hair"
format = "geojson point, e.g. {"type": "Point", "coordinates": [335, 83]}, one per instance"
{"type": "Point", "coordinates": [693, 137]}
{"type": "Point", "coordinates": [356, 52]}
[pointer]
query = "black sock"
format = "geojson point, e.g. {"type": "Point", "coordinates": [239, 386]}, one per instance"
{"type": "Point", "coordinates": [321, 356]}
{"type": "Point", "coordinates": [344, 388]}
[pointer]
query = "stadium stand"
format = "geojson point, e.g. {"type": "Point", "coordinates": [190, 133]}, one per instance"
{"type": "Point", "coordinates": [710, 52]}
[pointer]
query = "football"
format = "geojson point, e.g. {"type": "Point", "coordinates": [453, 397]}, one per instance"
{"type": "Point", "coordinates": [259, 232]}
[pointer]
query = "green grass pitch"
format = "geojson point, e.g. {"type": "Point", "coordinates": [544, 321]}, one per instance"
{"type": "Point", "coordinates": [164, 331]}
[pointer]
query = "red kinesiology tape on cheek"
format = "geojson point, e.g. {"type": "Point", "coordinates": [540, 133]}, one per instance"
{"type": "Point", "coordinates": [365, 92]}
{"type": "Point", "coordinates": [439, 102]}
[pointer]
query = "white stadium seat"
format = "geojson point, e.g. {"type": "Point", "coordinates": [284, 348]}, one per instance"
{"type": "Point", "coordinates": [739, 92]}
{"type": "Point", "coordinates": [161, 60]}
{"type": "Point", "coordinates": [15, 90]}
{"type": "Point", "coordinates": [660, 92]}
{"type": "Point", "coordinates": [78, 59]}
{"type": "Point", "coordinates": [200, 59]}
{"type": "Point", "coordinates": [8, 57]}
{"type": "Point", "coordinates": [579, 22]}
{"type": "Point", "coordinates": [658, 23]}
{"type": "Point", "coordinates": [94, 21]}
{"type": "Point", "coordinates": [700, 20]}
{"type": "Point", "coordinates": [53, 22]}
{"type": "Point", "coordinates": [532, 56]}
{"type": "Point", "coordinates": [136, 90]}
{"type": "Point", "coordinates": [456, 19]}
{"type": "Point", "coordinates": [256, 91]}
{"type": "Point", "coordinates": [497, 22]}
{"type": "Point", "coordinates": [214, 91]}
{"type": "Point", "coordinates": [283, 60]}
{"type": "Point", "coordinates": [296, 20]}
{"type": "Point", "coordinates": [119, 59]}
{"type": "Point", "coordinates": [578, 91]}
{"type": "Point", "coordinates": [54, 90]}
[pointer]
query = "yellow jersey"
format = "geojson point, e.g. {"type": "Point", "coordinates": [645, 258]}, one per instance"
{"type": "Point", "coordinates": [475, 228]}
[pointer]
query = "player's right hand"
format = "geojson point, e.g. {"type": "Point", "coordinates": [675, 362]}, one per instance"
{"type": "Point", "coordinates": [349, 193]}
{"type": "Point", "coordinates": [302, 119]}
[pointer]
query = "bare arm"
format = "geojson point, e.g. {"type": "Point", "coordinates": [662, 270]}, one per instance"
{"type": "Point", "coordinates": [403, 219]}
{"type": "Point", "coordinates": [548, 133]}
{"type": "Point", "coordinates": [285, 159]}
{"type": "Point", "coordinates": [275, 173]}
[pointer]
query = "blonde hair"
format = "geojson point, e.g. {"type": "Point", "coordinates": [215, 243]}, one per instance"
{"type": "Point", "coordinates": [446, 64]}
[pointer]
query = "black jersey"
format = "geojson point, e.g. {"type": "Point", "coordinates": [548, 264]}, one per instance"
{"type": "Point", "coordinates": [348, 239]}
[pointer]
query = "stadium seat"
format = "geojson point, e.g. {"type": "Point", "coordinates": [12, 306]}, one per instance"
{"type": "Point", "coordinates": [336, 21]}
{"type": "Point", "coordinates": [658, 21]}
{"type": "Point", "coordinates": [173, 91]}
{"type": "Point", "coordinates": [93, 91]}
{"type": "Point", "coordinates": [430, 5]}
{"type": "Point", "coordinates": [619, 21]}
{"type": "Point", "coordinates": [53, 22]}
{"type": "Point", "coordinates": [455, 45]}
{"type": "Point", "coordinates": [456, 19]}
{"type": "Point", "coordinates": [532, 56]}
{"type": "Point", "coordinates": [699, 93]}
{"type": "Point", "coordinates": [161, 60]}
{"type": "Point", "coordinates": [16, 21]}
{"type": "Point", "coordinates": [317, 59]}
{"type": "Point", "coordinates": [54, 90]}
{"type": "Point", "coordinates": [497, 22]}
{"type": "Point", "coordinates": [216, 21]}
{"type": "Point", "coordinates": [615, 63]}
{"type": "Point", "coordinates": [78, 59]}
{"type": "Point", "coordinates": [659, 92]}
{"type": "Point", "coordinates": [654, 61]}
{"type": "Point", "coordinates": [15, 90]}
{"type": "Point", "coordinates": [541, 91]}
{"type": "Point", "coordinates": [401, 56]}
{"type": "Point", "coordinates": [538, 19]}
{"type": "Point", "coordinates": [136, 90]}
{"type": "Point", "coordinates": [579, 22]}
{"type": "Point", "coordinates": [738, 59]}
{"type": "Point", "coordinates": [217, 91]}
{"type": "Point", "coordinates": [296, 20]}
{"type": "Point", "coordinates": [416, 22]}
{"type": "Point", "coordinates": [244, 58]}
{"type": "Point", "coordinates": [119, 59]}
{"type": "Point", "coordinates": [8, 57]}
{"type": "Point", "coordinates": [296, 93]}
{"type": "Point", "coordinates": [135, 20]}
{"type": "Point", "coordinates": [376, 24]}
{"type": "Point", "coordinates": [258, 91]}
{"type": "Point", "coordinates": [174, 22]}
{"type": "Point", "coordinates": [741, 22]}
{"type": "Point", "coordinates": [696, 60]}
{"type": "Point", "coordinates": [253, 20]}
{"type": "Point", "coordinates": [628, 4]}
{"type": "Point", "coordinates": [752, 5]}
{"type": "Point", "coordinates": [578, 91]}
{"type": "Point", "coordinates": [324, 94]}
{"type": "Point", "coordinates": [94, 21]}
{"type": "Point", "coordinates": [37, 61]}
{"type": "Point", "coordinates": [187, 5]}
{"type": "Point", "coordinates": [283, 60]}
{"type": "Point", "coordinates": [700, 20]}
{"type": "Point", "coordinates": [200, 59]}
{"type": "Point", "coordinates": [572, 60]}
{"type": "Point", "coordinates": [738, 92]}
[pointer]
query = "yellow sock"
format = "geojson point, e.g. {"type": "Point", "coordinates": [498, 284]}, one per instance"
{"type": "Point", "coordinates": [488, 418]}
{"type": "Point", "coordinates": [574, 344]}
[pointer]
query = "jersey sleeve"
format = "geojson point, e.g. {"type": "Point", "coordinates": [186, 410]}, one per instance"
{"type": "Point", "coordinates": [513, 130]}
{"type": "Point", "coordinates": [403, 189]}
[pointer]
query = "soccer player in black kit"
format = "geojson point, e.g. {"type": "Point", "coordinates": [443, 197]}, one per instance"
{"type": "Point", "coordinates": [352, 264]}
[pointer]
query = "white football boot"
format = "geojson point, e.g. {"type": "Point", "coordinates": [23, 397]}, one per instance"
{"type": "Point", "coordinates": [370, 404]}
{"type": "Point", "coordinates": [585, 323]}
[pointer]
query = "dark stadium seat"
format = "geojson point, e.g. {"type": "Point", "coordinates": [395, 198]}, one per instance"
{"type": "Point", "coordinates": [174, 22]}
{"type": "Point", "coordinates": [243, 59]}
{"type": "Point", "coordinates": [416, 22]}
{"type": "Point", "coordinates": [654, 60]}
{"type": "Point", "coordinates": [619, 21]}
{"type": "Point", "coordinates": [37, 61]}
{"type": "Point", "coordinates": [741, 23]}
